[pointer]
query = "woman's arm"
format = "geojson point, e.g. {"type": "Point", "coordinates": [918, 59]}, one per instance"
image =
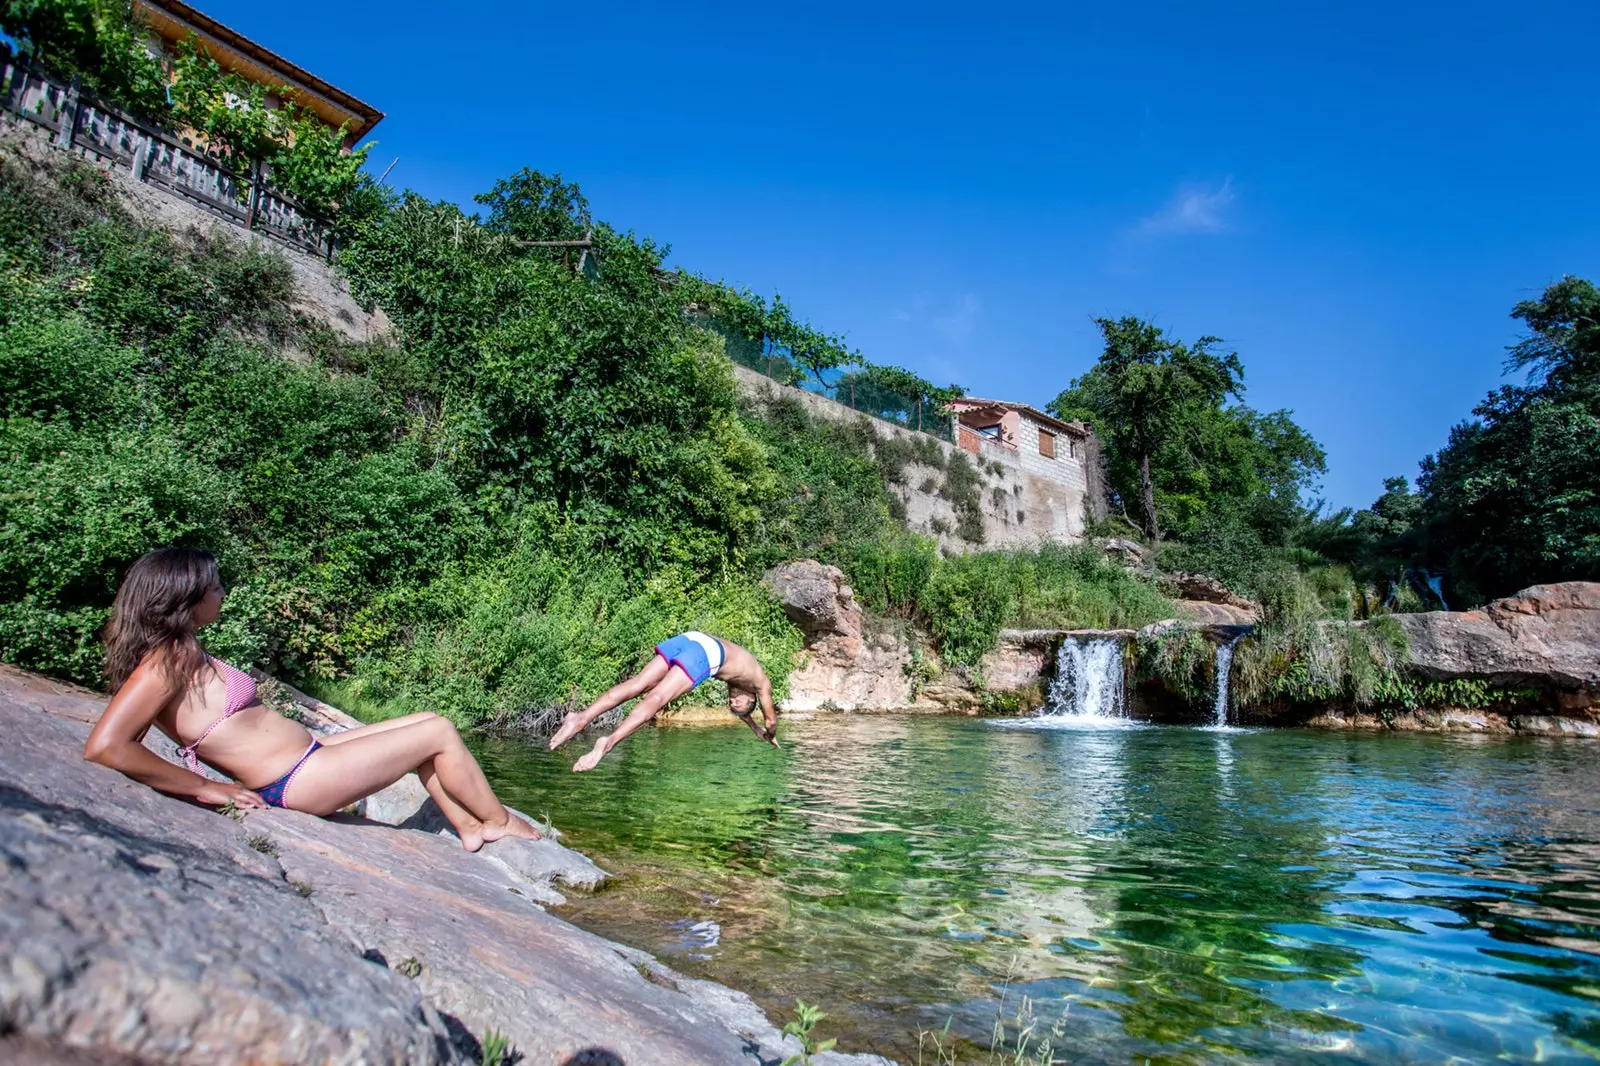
{"type": "Point", "coordinates": [114, 742]}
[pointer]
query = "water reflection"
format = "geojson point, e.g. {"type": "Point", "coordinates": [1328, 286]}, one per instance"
{"type": "Point", "coordinates": [1182, 895]}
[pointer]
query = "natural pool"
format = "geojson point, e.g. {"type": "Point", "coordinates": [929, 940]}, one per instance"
{"type": "Point", "coordinates": [1177, 895]}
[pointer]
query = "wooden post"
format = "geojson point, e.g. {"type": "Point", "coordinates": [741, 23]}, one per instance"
{"type": "Point", "coordinates": [141, 157]}
{"type": "Point", "coordinates": [257, 176]}
{"type": "Point", "coordinates": [20, 66]}
{"type": "Point", "coordinates": [67, 118]}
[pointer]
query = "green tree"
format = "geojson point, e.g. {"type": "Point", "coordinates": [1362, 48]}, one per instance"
{"type": "Point", "coordinates": [1513, 499]}
{"type": "Point", "coordinates": [1146, 391]}
{"type": "Point", "coordinates": [96, 41]}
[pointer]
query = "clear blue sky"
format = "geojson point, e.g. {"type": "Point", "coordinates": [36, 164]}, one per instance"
{"type": "Point", "coordinates": [1353, 195]}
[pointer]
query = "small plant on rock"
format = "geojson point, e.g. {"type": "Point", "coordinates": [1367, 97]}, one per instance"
{"type": "Point", "coordinates": [497, 1049]}
{"type": "Point", "coordinates": [806, 1018]}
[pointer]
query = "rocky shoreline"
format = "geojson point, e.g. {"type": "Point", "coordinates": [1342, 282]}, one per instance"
{"type": "Point", "coordinates": [143, 929]}
{"type": "Point", "coordinates": [1544, 639]}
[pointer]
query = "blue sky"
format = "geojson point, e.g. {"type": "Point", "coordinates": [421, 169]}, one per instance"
{"type": "Point", "coordinates": [1351, 195]}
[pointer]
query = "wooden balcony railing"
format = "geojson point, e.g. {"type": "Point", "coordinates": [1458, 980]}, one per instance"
{"type": "Point", "coordinates": [89, 127]}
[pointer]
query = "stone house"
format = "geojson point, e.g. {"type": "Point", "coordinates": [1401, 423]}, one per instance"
{"type": "Point", "coordinates": [172, 21]}
{"type": "Point", "coordinates": [1055, 462]}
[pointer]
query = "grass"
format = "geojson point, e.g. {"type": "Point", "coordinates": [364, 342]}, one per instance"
{"type": "Point", "coordinates": [497, 1049]}
{"type": "Point", "coordinates": [262, 843]}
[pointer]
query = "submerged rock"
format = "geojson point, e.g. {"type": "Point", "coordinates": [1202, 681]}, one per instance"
{"type": "Point", "coordinates": [138, 925]}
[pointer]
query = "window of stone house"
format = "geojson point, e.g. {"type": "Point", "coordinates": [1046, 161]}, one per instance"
{"type": "Point", "coordinates": [1047, 444]}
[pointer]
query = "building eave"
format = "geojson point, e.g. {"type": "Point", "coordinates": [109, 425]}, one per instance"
{"type": "Point", "coordinates": [173, 20]}
{"type": "Point", "coordinates": [1077, 429]}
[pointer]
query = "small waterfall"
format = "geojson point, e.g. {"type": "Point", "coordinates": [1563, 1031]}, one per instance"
{"type": "Point", "coordinates": [1219, 704]}
{"type": "Point", "coordinates": [1088, 681]}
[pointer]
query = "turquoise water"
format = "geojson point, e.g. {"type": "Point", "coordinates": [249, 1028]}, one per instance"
{"type": "Point", "coordinates": [1177, 895]}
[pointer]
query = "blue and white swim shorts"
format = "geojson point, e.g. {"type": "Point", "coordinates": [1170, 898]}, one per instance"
{"type": "Point", "coordinates": [697, 655]}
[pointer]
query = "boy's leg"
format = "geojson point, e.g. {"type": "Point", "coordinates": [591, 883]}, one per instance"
{"type": "Point", "coordinates": [637, 685]}
{"type": "Point", "coordinates": [675, 684]}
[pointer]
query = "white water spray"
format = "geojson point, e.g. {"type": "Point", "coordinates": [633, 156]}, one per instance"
{"type": "Point", "coordinates": [1219, 703]}
{"type": "Point", "coordinates": [1088, 681]}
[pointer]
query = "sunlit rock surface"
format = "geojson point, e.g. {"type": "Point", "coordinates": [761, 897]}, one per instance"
{"type": "Point", "coordinates": [139, 925]}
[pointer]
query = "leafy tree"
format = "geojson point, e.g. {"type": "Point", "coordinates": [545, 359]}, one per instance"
{"type": "Point", "coordinates": [1514, 498]}
{"type": "Point", "coordinates": [531, 206]}
{"type": "Point", "coordinates": [96, 41]}
{"type": "Point", "coordinates": [1147, 391]}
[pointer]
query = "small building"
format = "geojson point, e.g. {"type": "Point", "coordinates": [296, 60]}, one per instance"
{"type": "Point", "coordinates": [172, 21]}
{"type": "Point", "coordinates": [1056, 463]}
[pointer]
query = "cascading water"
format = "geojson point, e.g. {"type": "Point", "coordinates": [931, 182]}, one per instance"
{"type": "Point", "coordinates": [1088, 681]}
{"type": "Point", "coordinates": [1219, 703]}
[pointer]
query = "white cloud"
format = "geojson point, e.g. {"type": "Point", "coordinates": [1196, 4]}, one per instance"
{"type": "Point", "coordinates": [1192, 209]}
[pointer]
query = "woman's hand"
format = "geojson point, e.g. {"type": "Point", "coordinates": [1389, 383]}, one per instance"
{"type": "Point", "coordinates": [217, 794]}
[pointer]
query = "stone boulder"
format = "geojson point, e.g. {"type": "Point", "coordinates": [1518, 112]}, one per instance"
{"type": "Point", "coordinates": [817, 598]}
{"type": "Point", "coordinates": [846, 664]}
{"type": "Point", "coordinates": [1211, 613]}
{"type": "Point", "coordinates": [1548, 636]}
{"type": "Point", "coordinates": [143, 929]}
{"type": "Point", "coordinates": [1203, 589]}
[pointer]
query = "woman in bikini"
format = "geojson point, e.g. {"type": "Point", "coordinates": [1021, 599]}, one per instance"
{"type": "Point", "coordinates": [163, 677]}
{"type": "Point", "coordinates": [679, 665]}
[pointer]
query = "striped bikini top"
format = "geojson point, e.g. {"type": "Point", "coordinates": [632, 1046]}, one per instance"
{"type": "Point", "coordinates": [241, 689]}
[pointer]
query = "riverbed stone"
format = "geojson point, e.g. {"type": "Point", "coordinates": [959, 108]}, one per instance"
{"type": "Point", "coordinates": [138, 925]}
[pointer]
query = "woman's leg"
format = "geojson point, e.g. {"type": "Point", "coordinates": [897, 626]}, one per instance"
{"type": "Point", "coordinates": [457, 815]}
{"type": "Point", "coordinates": [616, 696]}
{"type": "Point", "coordinates": [347, 735]}
{"type": "Point", "coordinates": [675, 684]}
{"type": "Point", "coordinates": [343, 773]}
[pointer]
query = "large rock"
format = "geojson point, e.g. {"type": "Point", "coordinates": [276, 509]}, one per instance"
{"type": "Point", "coordinates": [1211, 613]}
{"type": "Point", "coordinates": [139, 925]}
{"type": "Point", "coordinates": [817, 598]}
{"type": "Point", "coordinates": [847, 664]}
{"type": "Point", "coordinates": [1548, 635]}
{"type": "Point", "coordinates": [136, 924]}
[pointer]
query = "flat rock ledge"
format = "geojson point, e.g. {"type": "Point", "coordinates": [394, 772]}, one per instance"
{"type": "Point", "coordinates": [142, 929]}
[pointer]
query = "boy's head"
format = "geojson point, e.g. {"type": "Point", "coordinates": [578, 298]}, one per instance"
{"type": "Point", "coordinates": [741, 701]}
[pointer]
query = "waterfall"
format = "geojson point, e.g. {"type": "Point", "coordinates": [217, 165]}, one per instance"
{"type": "Point", "coordinates": [1088, 681]}
{"type": "Point", "coordinates": [1219, 704]}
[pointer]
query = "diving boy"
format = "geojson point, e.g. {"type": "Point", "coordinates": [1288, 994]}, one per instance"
{"type": "Point", "coordinates": [679, 665]}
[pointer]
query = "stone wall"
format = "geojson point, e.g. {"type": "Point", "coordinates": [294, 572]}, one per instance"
{"type": "Point", "coordinates": [320, 294]}
{"type": "Point", "coordinates": [1025, 497]}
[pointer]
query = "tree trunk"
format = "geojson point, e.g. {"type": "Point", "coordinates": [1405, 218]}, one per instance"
{"type": "Point", "coordinates": [1147, 491]}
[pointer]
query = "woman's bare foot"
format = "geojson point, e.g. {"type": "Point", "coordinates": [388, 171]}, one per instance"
{"type": "Point", "coordinates": [513, 827]}
{"type": "Point", "coordinates": [592, 759]}
{"type": "Point", "coordinates": [471, 835]}
{"type": "Point", "coordinates": [569, 729]}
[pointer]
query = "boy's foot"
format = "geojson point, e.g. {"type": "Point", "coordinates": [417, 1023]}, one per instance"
{"type": "Point", "coordinates": [569, 729]}
{"type": "Point", "coordinates": [592, 759]}
{"type": "Point", "coordinates": [513, 827]}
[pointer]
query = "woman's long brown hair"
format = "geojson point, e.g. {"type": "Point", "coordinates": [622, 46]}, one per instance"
{"type": "Point", "coordinates": [154, 612]}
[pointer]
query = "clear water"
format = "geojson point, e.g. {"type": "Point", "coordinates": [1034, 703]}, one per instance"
{"type": "Point", "coordinates": [1176, 895]}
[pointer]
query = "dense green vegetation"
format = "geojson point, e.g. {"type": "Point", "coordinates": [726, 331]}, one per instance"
{"type": "Point", "coordinates": [505, 507]}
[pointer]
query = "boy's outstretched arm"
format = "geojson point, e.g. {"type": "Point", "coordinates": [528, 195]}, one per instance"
{"type": "Point", "coordinates": [769, 712]}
